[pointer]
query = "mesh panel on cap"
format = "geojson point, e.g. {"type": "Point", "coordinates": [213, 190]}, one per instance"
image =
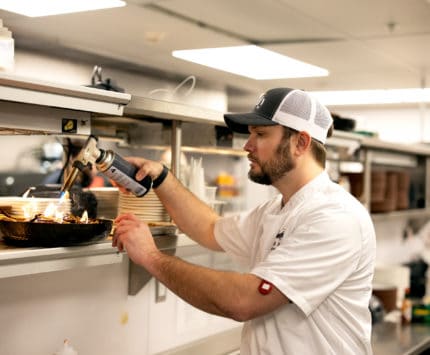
{"type": "Point", "coordinates": [302, 112]}
{"type": "Point", "coordinates": [322, 116]}
{"type": "Point", "coordinates": [297, 103]}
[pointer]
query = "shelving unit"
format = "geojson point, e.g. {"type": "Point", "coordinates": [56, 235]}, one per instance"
{"type": "Point", "coordinates": [26, 105]}
{"type": "Point", "coordinates": [37, 107]}
{"type": "Point", "coordinates": [28, 117]}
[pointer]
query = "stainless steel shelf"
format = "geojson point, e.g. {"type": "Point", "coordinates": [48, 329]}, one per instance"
{"type": "Point", "coordinates": [145, 107]}
{"type": "Point", "coordinates": [412, 213]}
{"type": "Point", "coordinates": [74, 97]}
{"type": "Point", "coordinates": [349, 139]}
{"type": "Point", "coordinates": [27, 261]}
{"type": "Point", "coordinates": [38, 107]}
{"type": "Point", "coordinates": [187, 149]}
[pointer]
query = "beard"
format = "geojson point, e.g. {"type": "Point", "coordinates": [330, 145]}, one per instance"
{"type": "Point", "coordinates": [275, 168]}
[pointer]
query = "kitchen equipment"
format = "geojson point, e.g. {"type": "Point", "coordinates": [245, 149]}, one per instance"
{"type": "Point", "coordinates": [52, 234]}
{"type": "Point", "coordinates": [149, 209]}
{"type": "Point", "coordinates": [107, 201]}
{"type": "Point", "coordinates": [396, 275]}
{"type": "Point", "coordinates": [389, 202]}
{"type": "Point", "coordinates": [418, 278]}
{"type": "Point", "coordinates": [404, 180]}
{"type": "Point", "coordinates": [20, 206]}
{"type": "Point", "coordinates": [376, 309]}
{"type": "Point", "coordinates": [79, 201]}
{"type": "Point", "coordinates": [343, 123]}
{"type": "Point", "coordinates": [387, 293]}
{"type": "Point", "coordinates": [109, 163]}
{"type": "Point", "coordinates": [196, 182]}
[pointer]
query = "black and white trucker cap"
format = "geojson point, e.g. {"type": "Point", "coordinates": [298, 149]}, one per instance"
{"type": "Point", "coordinates": [287, 107]}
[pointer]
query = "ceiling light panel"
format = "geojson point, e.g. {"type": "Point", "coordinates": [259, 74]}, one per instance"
{"type": "Point", "coordinates": [373, 97]}
{"type": "Point", "coordinates": [37, 8]}
{"type": "Point", "coordinates": [251, 61]}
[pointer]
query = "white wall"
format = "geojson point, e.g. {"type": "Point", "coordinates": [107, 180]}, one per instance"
{"type": "Point", "coordinates": [65, 71]}
{"type": "Point", "coordinates": [394, 124]}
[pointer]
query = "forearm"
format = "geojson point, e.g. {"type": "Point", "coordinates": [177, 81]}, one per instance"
{"type": "Point", "coordinates": [215, 292]}
{"type": "Point", "coordinates": [229, 294]}
{"type": "Point", "coordinates": [192, 216]}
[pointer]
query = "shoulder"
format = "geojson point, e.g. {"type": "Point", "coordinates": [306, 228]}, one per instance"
{"type": "Point", "coordinates": [334, 209]}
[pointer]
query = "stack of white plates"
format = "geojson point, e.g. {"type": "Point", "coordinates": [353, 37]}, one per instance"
{"type": "Point", "coordinates": [28, 207]}
{"type": "Point", "coordinates": [107, 201]}
{"type": "Point", "coordinates": [147, 208]}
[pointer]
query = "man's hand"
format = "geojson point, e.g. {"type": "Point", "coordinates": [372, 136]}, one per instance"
{"type": "Point", "coordinates": [134, 236]}
{"type": "Point", "coordinates": [145, 167]}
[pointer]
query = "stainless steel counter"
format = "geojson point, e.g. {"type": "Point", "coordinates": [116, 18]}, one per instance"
{"type": "Point", "coordinates": [395, 339]}
{"type": "Point", "coordinates": [26, 261]}
{"type": "Point", "coordinates": [387, 339]}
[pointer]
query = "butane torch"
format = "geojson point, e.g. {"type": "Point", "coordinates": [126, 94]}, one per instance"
{"type": "Point", "coordinates": [109, 163]}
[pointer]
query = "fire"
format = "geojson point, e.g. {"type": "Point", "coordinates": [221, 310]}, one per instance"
{"type": "Point", "coordinates": [64, 196]}
{"type": "Point", "coordinates": [30, 209]}
{"type": "Point", "coordinates": [84, 218]}
{"type": "Point", "coordinates": [26, 193]}
{"type": "Point", "coordinates": [53, 213]}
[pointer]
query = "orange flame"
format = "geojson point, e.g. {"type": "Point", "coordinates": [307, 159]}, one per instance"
{"type": "Point", "coordinates": [84, 218]}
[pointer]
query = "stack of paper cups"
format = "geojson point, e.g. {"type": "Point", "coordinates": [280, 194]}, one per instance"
{"type": "Point", "coordinates": [197, 179]}
{"type": "Point", "coordinates": [6, 49]}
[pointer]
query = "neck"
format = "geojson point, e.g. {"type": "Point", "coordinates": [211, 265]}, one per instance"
{"type": "Point", "coordinates": [294, 180]}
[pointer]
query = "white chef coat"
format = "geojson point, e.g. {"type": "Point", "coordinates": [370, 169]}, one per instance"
{"type": "Point", "coordinates": [319, 251]}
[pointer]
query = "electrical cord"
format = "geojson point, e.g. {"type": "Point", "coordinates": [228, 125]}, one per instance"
{"type": "Point", "coordinates": [174, 92]}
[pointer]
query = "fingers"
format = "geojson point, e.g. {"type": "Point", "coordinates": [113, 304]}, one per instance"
{"type": "Point", "coordinates": [137, 161]}
{"type": "Point", "coordinates": [145, 167]}
{"type": "Point", "coordinates": [148, 168]}
{"type": "Point", "coordinates": [127, 227]}
{"type": "Point", "coordinates": [122, 225]}
{"type": "Point", "coordinates": [124, 216]}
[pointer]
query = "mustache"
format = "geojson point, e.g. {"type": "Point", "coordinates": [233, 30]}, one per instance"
{"type": "Point", "coordinates": [252, 158]}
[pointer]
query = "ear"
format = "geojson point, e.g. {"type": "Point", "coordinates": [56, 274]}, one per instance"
{"type": "Point", "coordinates": [303, 141]}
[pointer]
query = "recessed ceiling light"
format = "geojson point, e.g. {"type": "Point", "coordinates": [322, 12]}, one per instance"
{"type": "Point", "coordinates": [373, 97]}
{"type": "Point", "coordinates": [36, 8]}
{"type": "Point", "coordinates": [251, 61]}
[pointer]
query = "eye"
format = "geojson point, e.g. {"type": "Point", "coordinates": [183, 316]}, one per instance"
{"type": "Point", "coordinates": [260, 133]}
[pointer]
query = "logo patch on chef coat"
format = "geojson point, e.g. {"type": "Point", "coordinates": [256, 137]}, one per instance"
{"type": "Point", "coordinates": [277, 241]}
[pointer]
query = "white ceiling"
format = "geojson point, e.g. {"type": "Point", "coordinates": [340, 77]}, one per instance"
{"type": "Point", "coordinates": [363, 44]}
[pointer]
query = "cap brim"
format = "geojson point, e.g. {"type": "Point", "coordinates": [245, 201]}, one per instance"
{"type": "Point", "coordinates": [239, 122]}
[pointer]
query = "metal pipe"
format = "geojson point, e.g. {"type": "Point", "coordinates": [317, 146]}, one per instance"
{"type": "Point", "coordinates": [176, 143]}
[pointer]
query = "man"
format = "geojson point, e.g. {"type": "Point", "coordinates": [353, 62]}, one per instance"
{"type": "Point", "coordinates": [309, 251]}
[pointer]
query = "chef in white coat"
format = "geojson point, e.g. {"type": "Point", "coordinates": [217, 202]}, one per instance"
{"type": "Point", "coordinates": [308, 252]}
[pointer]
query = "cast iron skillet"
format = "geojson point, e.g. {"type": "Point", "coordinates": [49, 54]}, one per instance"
{"type": "Point", "coordinates": [44, 234]}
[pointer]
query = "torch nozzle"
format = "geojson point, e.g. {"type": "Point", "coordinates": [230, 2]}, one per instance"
{"type": "Point", "coordinates": [88, 155]}
{"type": "Point", "coordinates": [68, 182]}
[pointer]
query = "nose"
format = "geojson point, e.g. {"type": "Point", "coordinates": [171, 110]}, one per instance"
{"type": "Point", "coordinates": [248, 147]}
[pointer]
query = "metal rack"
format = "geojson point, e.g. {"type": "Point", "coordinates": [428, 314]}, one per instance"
{"type": "Point", "coordinates": [27, 105]}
